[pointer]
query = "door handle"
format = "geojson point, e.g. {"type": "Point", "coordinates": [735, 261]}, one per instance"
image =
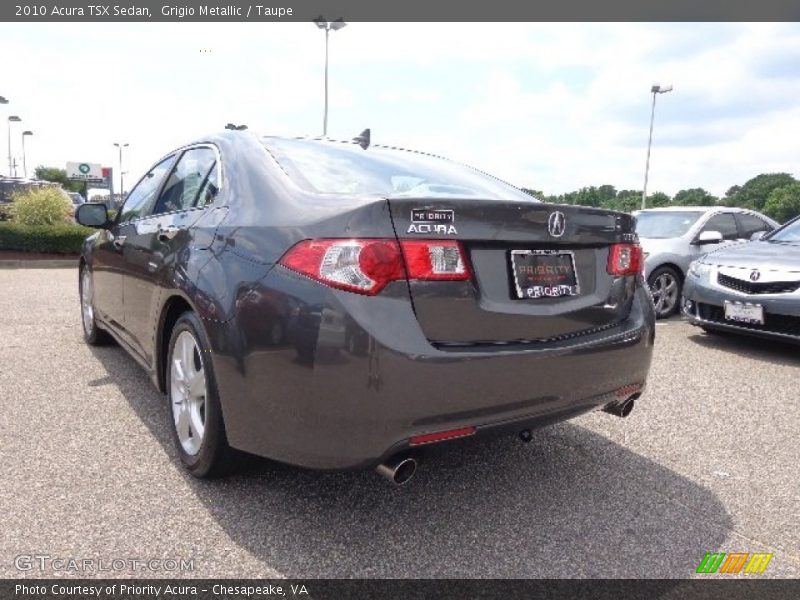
{"type": "Point", "coordinates": [165, 234]}
{"type": "Point", "coordinates": [119, 241]}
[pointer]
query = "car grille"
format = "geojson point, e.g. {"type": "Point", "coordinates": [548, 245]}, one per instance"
{"type": "Point", "coordinates": [752, 287]}
{"type": "Point", "coordinates": [784, 324]}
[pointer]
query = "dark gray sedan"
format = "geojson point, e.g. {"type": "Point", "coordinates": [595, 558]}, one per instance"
{"type": "Point", "coordinates": [338, 304]}
{"type": "Point", "coordinates": [752, 288]}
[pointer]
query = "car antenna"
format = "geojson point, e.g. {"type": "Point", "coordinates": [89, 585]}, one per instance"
{"type": "Point", "coordinates": [363, 139]}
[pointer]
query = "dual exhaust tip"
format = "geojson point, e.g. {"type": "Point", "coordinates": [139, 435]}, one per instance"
{"type": "Point", "coordinates": [401, 469]}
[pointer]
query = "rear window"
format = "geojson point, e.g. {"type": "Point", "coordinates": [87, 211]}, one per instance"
{"type": "Point", "coordinates": [665, 224]}
{"type": "Point", "coordinates": [345, 168]}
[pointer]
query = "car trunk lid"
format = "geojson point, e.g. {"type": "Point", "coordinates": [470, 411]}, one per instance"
{"type": "Point", "coordinates": [518, 248]}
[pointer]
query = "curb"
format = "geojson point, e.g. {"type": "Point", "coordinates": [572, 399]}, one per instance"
{"type": "Point", "coordinates": [39, 264]}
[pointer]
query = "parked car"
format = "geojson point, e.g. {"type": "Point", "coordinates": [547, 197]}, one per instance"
{"type": "Point", "coordinates": [672, 237]}
{"type": "Point", "coordinates": [336, 305]}
{"type": "Point", "coordinates": [751, 288]}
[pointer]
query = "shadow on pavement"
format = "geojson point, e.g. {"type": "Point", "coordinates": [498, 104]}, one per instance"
{"type": "Point", "coordinates": [569, 504]}
{"type": "Point", "coordinates": [773, 351]}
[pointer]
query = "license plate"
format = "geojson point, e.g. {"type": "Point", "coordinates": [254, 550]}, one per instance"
{"type": "Point", "coordinates": [744, 313]}
{"type": "Point", "coordinates": [544, 273]}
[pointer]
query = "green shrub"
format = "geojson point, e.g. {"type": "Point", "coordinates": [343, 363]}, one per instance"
{"type": "Point", "coordinates": [40, 206]}
{"type": "Point", "coordinates": [62, 238]}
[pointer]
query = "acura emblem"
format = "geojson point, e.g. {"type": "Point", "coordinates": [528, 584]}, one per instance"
{"type": "Point", "coordinates": [755, 275]}
{"type": "Point", "coordinates": [556, 224]}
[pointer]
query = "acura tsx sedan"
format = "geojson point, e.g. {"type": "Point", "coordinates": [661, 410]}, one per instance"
{"type": "Point", "coordinates": [751, 288]}
{"type": "Point", "coordinates": [339, 304]}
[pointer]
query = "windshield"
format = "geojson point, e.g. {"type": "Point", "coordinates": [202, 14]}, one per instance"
{"type": "Point", "coordinates": [665, 224]}
{"type": "Point", "coordinates": [788, 233]}
{"type": "Point", "coordinates": [344, 168]}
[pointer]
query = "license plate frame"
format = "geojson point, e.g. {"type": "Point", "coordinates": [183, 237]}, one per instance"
{"type": "Point", "coordinates": [555, 285]}
{"type": "Point", "coordinates": [743, 312]}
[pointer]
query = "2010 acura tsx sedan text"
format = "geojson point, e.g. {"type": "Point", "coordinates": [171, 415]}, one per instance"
{"type": "Point", "coordinates": [339, 304]}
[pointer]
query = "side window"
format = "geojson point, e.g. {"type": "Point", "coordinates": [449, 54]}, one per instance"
{"type": "Point", "coordinates": [142, 197]}
{"type": "Point", "coordinates": [191, 183]}
{"type": "Point", "coordinates": [750, 224]}
{"type": "Point", "coordinates": [725, 224]}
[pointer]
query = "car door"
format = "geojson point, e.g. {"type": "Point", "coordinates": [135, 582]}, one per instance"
{"type": "Point", "coordinates": [158, 244]}
{"type": "Point", "coordinates": [109, 256]}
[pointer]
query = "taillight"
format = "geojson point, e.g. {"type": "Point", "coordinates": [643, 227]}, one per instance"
{"type": "Point", "coordinates": [363, 266]}
{"type": "Point", "coordinates": [624, 259]}
{"type": "Point", "coordinates": [435, 260]}
{"type": "Point", "coordinates": [366, 266]}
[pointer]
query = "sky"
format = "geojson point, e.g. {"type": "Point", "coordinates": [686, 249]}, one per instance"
{"type": "Point", "coordinates": [553, 107]}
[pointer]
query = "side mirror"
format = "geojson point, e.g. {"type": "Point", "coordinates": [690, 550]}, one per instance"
{"type": "Point", "coordinates": [92, 215]}
{"type": "Point", "coordinates": [708, 237]}
{"type": "Point", "coordinates": [757, 235]}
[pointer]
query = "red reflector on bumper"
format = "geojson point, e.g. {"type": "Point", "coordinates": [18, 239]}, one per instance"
{"type": "Point", "coordinates": [628, 390]}
{"type": "Point", "coordinates": [440, 436]}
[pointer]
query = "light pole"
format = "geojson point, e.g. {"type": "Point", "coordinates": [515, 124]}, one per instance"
{"type": "Point", "coordinates": [24, 160]}
{"type": "Point", "coordinates": [11, 119]}
{"type": "Point", "coordinates": [4, 100]}
{"type": "Point", "coordinates": [121, 173]}
{"type": "Point", "coordinates": [328, 26]}
{"type": "Point", "coordinates": [656, 89]}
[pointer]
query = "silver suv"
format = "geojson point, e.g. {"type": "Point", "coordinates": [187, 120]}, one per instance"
{"type": "Point", "coordinates": [674, 236]}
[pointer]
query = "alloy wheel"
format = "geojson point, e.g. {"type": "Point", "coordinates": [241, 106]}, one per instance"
{"type": "Point", "coordinates": [665, 293]}
{"type": "Point", "coordinates": [188, 392]}
{"type": "Point", "coordinates": [87, 309]}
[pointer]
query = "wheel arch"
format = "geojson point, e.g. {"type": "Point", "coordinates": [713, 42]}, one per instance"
{"type": "Point", "coordinates": [174, 306]}
{"type": "Point", "coordinates": [670, 265]}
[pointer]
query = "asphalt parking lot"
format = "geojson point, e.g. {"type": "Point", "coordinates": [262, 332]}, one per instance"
{"type": "Point", "coordinates": [707, 462]}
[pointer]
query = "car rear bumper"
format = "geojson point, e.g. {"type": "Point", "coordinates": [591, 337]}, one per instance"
{"type": "Point", "coordinates": [703, 302]}
{"type": "Point", "coordinates": [360, 398]}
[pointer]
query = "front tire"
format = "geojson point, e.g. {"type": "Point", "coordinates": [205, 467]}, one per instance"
{"type": "Point", "coordinates": [198, 428]}
{"type": "Point", "coordinates": [92, 334]}
{"type": "Point", "coordinates": [666, 285]}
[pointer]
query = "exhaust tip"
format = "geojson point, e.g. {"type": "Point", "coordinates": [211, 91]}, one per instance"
{"type": "Point", "coordinates": [626, 408]}
{"type": "Point", "coordinates": [399, 471]}
{"type": "Point", "coordinates": [622, 409]}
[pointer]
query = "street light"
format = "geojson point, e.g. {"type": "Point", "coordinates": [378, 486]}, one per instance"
{"type": "Point", "coordinates": [4, 100]}
{"type": "Point", "coordinates": [11, 119]}
{"type": "Point", "coordinates": [328, 26]}
{"type": "Point", "coordinates": [24, 163]}
{"type": "Point", "coordinates": [656, 89]}
{"type": "Point", "coordinates": [121, 172]}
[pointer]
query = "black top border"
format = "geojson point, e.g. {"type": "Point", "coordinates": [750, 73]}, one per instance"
{"type": "Point", "coordinates": [406, 10]}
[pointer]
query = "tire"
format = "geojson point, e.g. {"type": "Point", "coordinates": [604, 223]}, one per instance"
{"type": "Point", "coordinates": [197, 424]}
{"type": "Point", "coordinates": [666, 285]}
{"type": "Point", "coordinates": [92, 333]}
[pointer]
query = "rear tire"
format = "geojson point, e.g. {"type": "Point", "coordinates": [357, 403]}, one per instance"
{"type": "Point", "coordinates": [92, 333]}
{"type": "Point", "coordinates": [666, 285]}
{"type": "Point", "coordinates": [197, 425]}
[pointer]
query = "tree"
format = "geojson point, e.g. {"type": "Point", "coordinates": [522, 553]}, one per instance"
{"type": "Point", "coordinates": [57, 175]}
{"type": "Point", "coordinates": [538, 194]}
{"type": "Point", "coordinates": [753, 194]}
{"type": "Point", "coordinates": [626, 201]}
{"type": "Point", "coordinates": [783, 203]}
{"type": "Point", "coordinates": [657, 199]}
{"type": "Point", "coordinates": [694, 197]}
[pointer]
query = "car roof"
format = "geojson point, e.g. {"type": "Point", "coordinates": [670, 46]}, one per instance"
{"type": "Point", "coordinates": [690, 209]}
